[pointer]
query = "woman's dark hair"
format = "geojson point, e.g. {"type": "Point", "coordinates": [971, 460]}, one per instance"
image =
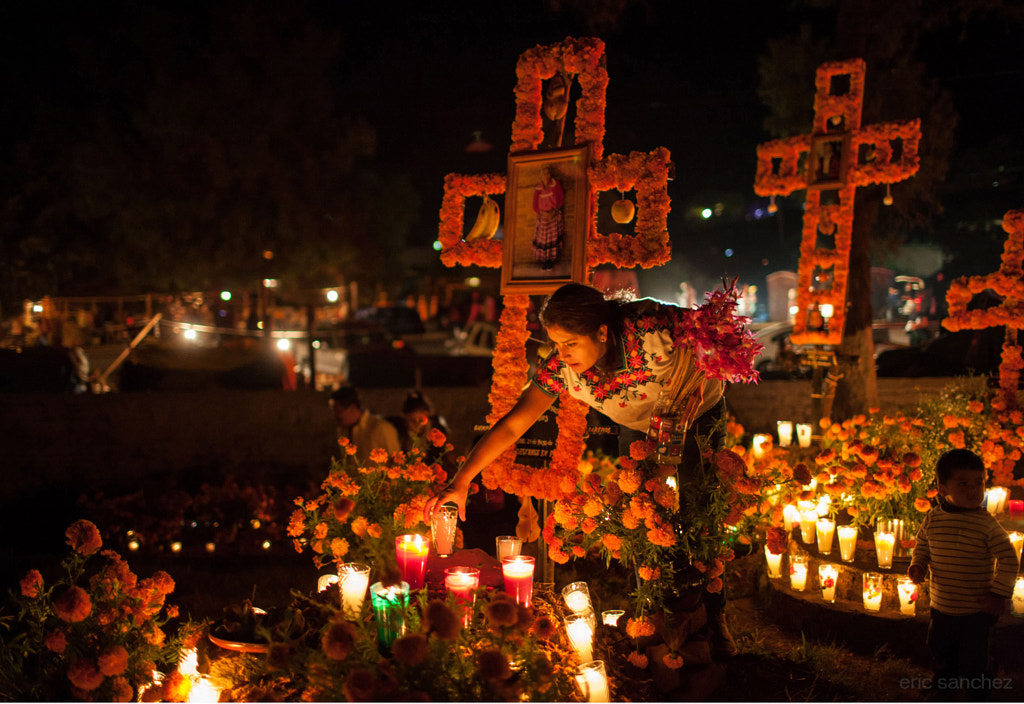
{"type": "Point", "coordinates": [953, 460]}
{"type": "Point", "coordinates": [416, 401]}
{"type": "Point", "coordinates": [581, 310]}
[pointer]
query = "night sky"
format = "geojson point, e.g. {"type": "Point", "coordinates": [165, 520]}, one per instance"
{"type": "Point", "coordinates": [429, 75]}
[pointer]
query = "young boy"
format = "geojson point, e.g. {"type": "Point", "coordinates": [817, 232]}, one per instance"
{"type": "Point", "coordinates": [963, 546]}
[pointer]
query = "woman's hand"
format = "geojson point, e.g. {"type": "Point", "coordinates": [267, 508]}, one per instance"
{"type": "Point", "coordinates": [449, 494]}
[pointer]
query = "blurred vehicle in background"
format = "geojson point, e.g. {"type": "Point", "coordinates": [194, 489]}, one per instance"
{"type": "Point", "coordinates": [779, 359]}
{"type": "Point", "coordinates": [358, 352]}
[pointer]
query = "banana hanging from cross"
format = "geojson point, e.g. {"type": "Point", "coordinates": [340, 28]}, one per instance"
{"type": "Point", "coordinates": [487, 220]}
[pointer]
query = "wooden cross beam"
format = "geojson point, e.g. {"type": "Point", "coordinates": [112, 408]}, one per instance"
{"type": "Point", "coordinates": [831, 162]}
{"type": "Point", "coordinates": [1008, 284]}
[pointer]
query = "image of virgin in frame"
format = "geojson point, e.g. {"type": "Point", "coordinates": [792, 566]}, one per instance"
{"type": "Point", "coordinates": [547, 213]}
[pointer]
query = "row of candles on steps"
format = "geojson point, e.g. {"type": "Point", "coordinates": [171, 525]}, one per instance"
{"type": "Point", "coordinates": [462, 582]}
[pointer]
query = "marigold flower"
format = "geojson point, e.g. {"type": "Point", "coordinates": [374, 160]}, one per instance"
{"type": "Point", "coordinates": [374, 530]}
{"type": "Point", "coordinates": [501, 612]}
{"type": "Point", "coordinates": [638, 628]}
{"type": "Point", "coordinates": [342, 508]}
{"type": "Point", "coordinates": [436, 438]}
{"type": "Point", "coordinates": [122, 691]}
{"type": "Point", "coordinates": [55, 641]}
{"type": "Point", "coordinates": [662, 535]}
{"type": "Point", "coordinates": [360, 686]}
{"type": "Point", "coordinates": [359, 526]}
{"type": "Point", "coordinates": [716, 569]}
{"type": "Point", "coordinates": [640, 449]}
{"type": "Point", "coordinates": [802, 474]}
{"type": "Point", "coordinates": [113, 660]}
{"type": "Point", "coordinates": [339, 548]}
{"type": "Point", "coordinates": [83, 537]}
{"type": "Point", "coordinates": [442, 621]}
{"type": "Point", "coordinates": [492, 665]}
{"type": "Point", "coordinates": [297, 523]}
{"type": "Point", "coordinates": [715, 585]}
{"type": "Point", "coordinates": [637, 659]}
{"type": "Point", "coordinates": [673, 661]}
{"type": "Point", "coordinates": [922, 505]}
{"type": "Point", "coordinates": [84, 674]}
{"type": "Point", "coordinates": [31, 584]}
{"type": "Point", "coordinates": [379, 455]}
{"type": "Point", "coordinates": [648, 573]}
{"type": "Point", "coordinates": [776, 540]}
{"type": "Point", "coordinates": [593, 506]}
{"type": "Point", "coordinates": [73, 605]}
{"type": "Point", "coordinates": [629, 481]}
{"type": "Point", "coordinates": [544, 627]}
{"type": "Point", "coordinates": [410, 649]}
{"type": "Point", "coordinates": [338, 640]}
{"type": "Point", "coordinates": [588, 526]}
{"type": "Point", "coordinates": [957, 440]}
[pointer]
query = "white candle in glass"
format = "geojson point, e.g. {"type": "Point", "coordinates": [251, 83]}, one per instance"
{"type": "Point", "coordinates": [760, 444]}
{"type": "Point", "coordinates": [354, 579]}
{"type": "Point", "coordinates": [798, 572]}
{"type": "Point", "coordinates": [872, 591]}
{"type": "Point", "coordinates": [847, 542]}
{"type": "Point", "coordinates": [774, 564]}
{"type": "Point", "coordinates": [785, 433]}
{"type": "Point", "coordinates": [803, 434]}
{"type": "Point", "coordinates": [826, 528]}
{"type": "Point", "coordinates": [883, 549]}
{"type": "Point", "coordinates": [593, 681]}
{"type": "Point", "coordinates": [907, 590]}
{"type": "Point", "coordinates": [581, 636]}
{"type": "Point", "coordinates": [1017, 540]}
{"type": "Point", "coordinates": [577, 597]}
{"type": "Point", "coordinates": [1017, 603]}
{"type": "Point", "coordinates": [828, 576]}
{"type": "Point", "coordinates": [808, 525]}
{"type": "Point", "coordinates": [790, 516]}
{"type": "Point", "coordinates": [995, 500]}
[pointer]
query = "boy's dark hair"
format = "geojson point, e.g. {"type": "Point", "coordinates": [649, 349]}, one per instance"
{"type": "Point", "coordinates": [346, 396]}
{"type": "Point", "coordinates": [953, 460]}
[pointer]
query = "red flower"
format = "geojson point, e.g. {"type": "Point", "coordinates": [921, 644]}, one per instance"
{"type": "Point", "coordinates": [83, 537]}
{"type": "Point", "coordinates": [31, 584]}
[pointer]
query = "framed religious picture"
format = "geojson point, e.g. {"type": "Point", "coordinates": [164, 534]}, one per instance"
{"type": "Point", "coordinates": [547, 213]}
{"type": "Point", "coordinates": [829, 162]}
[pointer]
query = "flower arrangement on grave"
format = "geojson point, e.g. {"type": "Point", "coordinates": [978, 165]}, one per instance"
{"type": "Point", "coordinates": [362, 507]}
{"type": "Point", "coordinates": [94, 634]}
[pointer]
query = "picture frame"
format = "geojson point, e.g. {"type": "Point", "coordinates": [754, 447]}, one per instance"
{"type": "Point", "coordinates": [829, 160]}
{"type": "Point", "coordinates": [545, 248]}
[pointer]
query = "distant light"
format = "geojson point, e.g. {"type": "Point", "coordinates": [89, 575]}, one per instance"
{"type": "Point", "coordinates": [255, 523]}
{"type": "Point", "coordinates": [283, 344]}
{"type": "Point", "coordinates": [706, 213]}
{"type": "Point", "coordinates": [133, 545]}
{"type": "Point", "coordinates": [175, 547]}
{"type": "Point", "coordinates": [729, 252]}
{"type": "Point", "coordinates": [473, 281]}
{"type": "Point", "coordinates": [995, 184]}
{"type": "Point", "coordinates": [316, 344]}
{"type": "Point", "coordinates": [826, 310]}
{"type": "Point", "coordinates": [793, 310]}
{"type": "Point", "coordinates": [259, 324]}
{"type": "Point", "coordinates": [332, 295]}
{"type": "Point", "coordinates": [437, 245]}
{"type": "Point", "coordinates": [225, 295]}
{"type": "Point", "coordinates": [211, 547]}
{"type": "Point", "coordinates": [190, 334]}
{"type": "Point", "coordinates": [268, 254]}
{"type": "Point", "coordinates": [266, 544]}
{"type": "Point", "coordinates": [758, 213]}
{"type": "Point", "coordinates": [270, 283]}
{"type": "Point", "coordinates": [36, 308]}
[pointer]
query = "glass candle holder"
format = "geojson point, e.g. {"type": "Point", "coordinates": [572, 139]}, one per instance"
{"type": "Point", "coordinates": [760, 444]}
{"type": "Point", "coordinates": [995, 500]}
{"type": "Point", "coordinates": [462, 583]}
{"type": "Point", "coordinates": [785, 428]}
{"type": "Point", "coordinates": [593, 681]}
{"type": "Point", "coordinates": [907, 591]}
{"type": "Point", "coordinates": [1017, 540]}
{"type": "Point", "coordinates": [847, 542]}
{"type": "Point", "coordinates": [798, 572]}
{"type": "Point", "coordinates": [518, 573]}
{"type": "Point", "coordinates": [507, 546]}
{"type": "Point", "coordinates": [353, 578]}
{"type": "Point", "coordinates": [611, 617]}
{"type": "Point", "coordinates": [803, 434]}
{"type": "Point", "coordinates": [808, 525]}
{"type": "Point", "coordinates": [873, 591]}
{"type": "Point", "coordinates": [826, 530]}
{"type": "Point", "coordinates": [1017, 601]}
{"type": "Point", "coordinates": [325, 582]}
{"type": "Point", "coordinates": [412, 552]}
{"type": "Point", "coordinates": [884, 543]}
{"type": "Point", "coordinates": [581, 635]}
{"type": "Point", "coordinates": [774, 563]}
{"type": "Point", "coordinates": [389, 604]}
{"type": "Point", "coordinates": [577, 598]}
{"type": "Point", "coordinates": [443, 525]}
{"type": "Point", "coordinates": [1016, 509]}
{"type": "Point", "coordinates": [828, 577]}
{"type": "Point", "coordinates": [790, 517]}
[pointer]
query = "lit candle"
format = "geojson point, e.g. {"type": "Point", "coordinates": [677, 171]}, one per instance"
{"type": "Point", "coordinates": [412, 552]}
{"type": "Point", "coordinates": [325, 582]}
{"type": "Point", "coordinates": [907, 590]}
{"type": "Point", "coordinates": [883, 549]}
{"type": "Point", "coordinates": [389, 605]}
{"type": "Point", "coordinates": [443, 525]}
{"type": "Point", "coordinates": [797, 572]}
{"type": "Point", "coordinates": [826, 529]}
{"type": "Point", "coordinates": [995, 500]}
{"type": "Point", "coordinates": [808, 525]}
{"type": "Point", "coordinates": [1017, 603]}
{"type": "Point", "coordinates": [581, 635]}
{"type": "Point", "coordinates": [354, 579]}
{"type": "Point", "coordinates": [872, 591]}
{"type": "Point", "coordinates": [518, 572]}
{"type": "Point", "coordinates": [803, 434]}
{"type": "Point", "coordinates": [847, 542]}
{"type": "Point", "coordinates": [774, 564]}
{"type": "Point", "coordinates": [203, 691]}
{"type": "Point", "coordinates": [462, 583]}
{"type": "Point", "coordinates": [760, 444]}
{"type": "Point", "coordinates": [612, 616]}
{"type": "Point", "coordinates": [1017, 540]}
{"type": "Point", "coordinates": [1016, 507]}
{"type": "Point", "coordinates": [785, 433]}
{"type": "Point", "coordinates": [593, 681]}
{"type": "Point", "coordinates": [577, 597]}
{"type": "Point", "coordinates": [790, 517]}
{"type": "Point", "coordinates": [828, 575]}
{"type": "Point", "coordinates": [508, 545]}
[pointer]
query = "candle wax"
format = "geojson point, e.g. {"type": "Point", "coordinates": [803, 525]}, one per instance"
{"type": "Point", "coordinates": [412, 555]}
{"type": "Point", "coordinates": [847, 542]}
{"type": "Point", "coordinates": [518, 579]}
{"type": "Point", "coordinates": [578, 602]}
{"type": "Point", "coordinates": [582, 639]}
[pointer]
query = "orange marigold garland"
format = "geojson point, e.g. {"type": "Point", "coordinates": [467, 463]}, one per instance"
{"type": "Point", "coordinates": [454, 249]}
